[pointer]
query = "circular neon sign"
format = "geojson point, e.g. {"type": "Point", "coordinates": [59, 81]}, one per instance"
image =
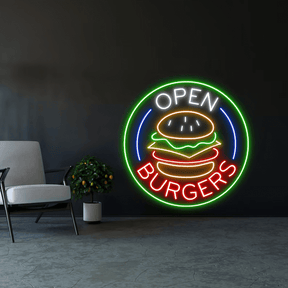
{"type": "Point", "coordinates": [186, 144]}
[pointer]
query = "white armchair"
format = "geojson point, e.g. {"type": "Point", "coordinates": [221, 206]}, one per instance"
{"type": "Point", "coordinates": [23, 186]}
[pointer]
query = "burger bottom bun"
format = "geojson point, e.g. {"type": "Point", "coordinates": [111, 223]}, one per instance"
{"type": "Point", "coordinates": [185, 171]}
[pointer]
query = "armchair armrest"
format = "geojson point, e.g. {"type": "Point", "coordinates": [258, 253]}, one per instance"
{"type": "Point", "coordinates": [66, 172]}
{"type": "Point", "coordinates": [4, 173]}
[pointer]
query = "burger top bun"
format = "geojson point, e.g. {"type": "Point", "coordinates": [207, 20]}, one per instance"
{"type": "Point", "coordinates": [185, 125]}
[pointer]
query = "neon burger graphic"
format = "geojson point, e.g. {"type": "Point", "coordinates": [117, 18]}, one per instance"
{"type": "Point", "coordinates": [188, 151]}
{"type": "Point", "coordinates": [187, 154]}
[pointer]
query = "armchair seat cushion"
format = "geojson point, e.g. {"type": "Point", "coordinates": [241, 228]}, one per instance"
{"type": "Point", "coordinates": [37, 193]}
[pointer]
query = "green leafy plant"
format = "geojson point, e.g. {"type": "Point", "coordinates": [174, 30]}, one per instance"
{"type": "Point", "coordinates": [89, 176]}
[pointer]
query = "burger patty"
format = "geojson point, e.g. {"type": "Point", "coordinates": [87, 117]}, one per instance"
{"type": "Point", "coordinates": [182, 155]}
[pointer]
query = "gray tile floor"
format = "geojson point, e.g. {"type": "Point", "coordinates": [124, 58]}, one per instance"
{"type": "Point", "coordinates": [145, 252]}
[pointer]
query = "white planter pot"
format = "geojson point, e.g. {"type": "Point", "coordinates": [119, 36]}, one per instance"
{"type": "Point", "coordinates": [92, 212]}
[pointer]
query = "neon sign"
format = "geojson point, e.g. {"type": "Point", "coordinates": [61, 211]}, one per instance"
{"type": "Point", "coordinates": [186, 144]}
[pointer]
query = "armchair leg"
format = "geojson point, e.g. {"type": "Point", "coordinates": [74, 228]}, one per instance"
{"type": "Point", "coordinates": [9, 222]}
{"type": "Point", "coordinates": [5, 204]}
{"type": "Point", "coordinates": [73, 219]}
{"type": "Point", "coordinates": [38, 217]}
{"type": "Point", "coordinates": [40, 214]}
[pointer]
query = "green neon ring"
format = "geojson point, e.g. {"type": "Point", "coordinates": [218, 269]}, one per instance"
{"type": "Point", "coordinates": [126, 156]}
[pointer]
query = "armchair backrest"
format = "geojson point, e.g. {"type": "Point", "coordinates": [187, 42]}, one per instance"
{"type": "Point", "coordinates": [25, 161]}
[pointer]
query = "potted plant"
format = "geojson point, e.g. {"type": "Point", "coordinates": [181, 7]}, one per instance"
{"type": "Point", "coordinates": [90, 176]}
